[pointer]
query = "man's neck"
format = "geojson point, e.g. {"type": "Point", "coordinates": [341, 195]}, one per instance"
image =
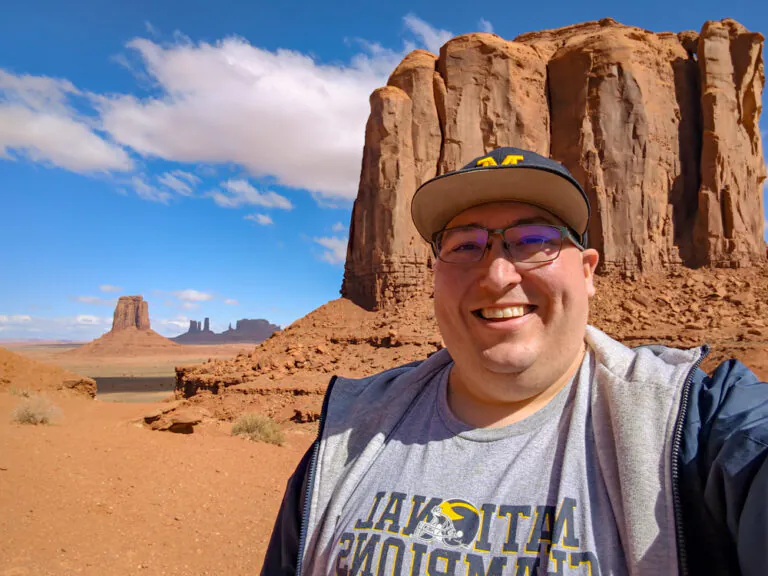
{"type": "Point", "coordinates": [485, 413]}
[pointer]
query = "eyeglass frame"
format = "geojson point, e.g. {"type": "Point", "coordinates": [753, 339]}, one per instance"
{"type": "Point", "coordinates": [565, 234]}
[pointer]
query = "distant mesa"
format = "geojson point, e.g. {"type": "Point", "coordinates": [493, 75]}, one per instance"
{"type": "Point", "coordinates": [131, 334]}
{"type": "Point", "coordinates": [246, 330]}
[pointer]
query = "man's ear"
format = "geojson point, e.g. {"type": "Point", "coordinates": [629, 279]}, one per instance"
{"type": "Point", "coordinates": [589, 260]}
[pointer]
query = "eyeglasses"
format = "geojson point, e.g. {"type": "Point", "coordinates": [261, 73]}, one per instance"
{"type": "Point", "coordinates": [528, 243]}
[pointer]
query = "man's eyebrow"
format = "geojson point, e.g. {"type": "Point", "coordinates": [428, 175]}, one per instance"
{"type": "Point", "coordinates": [533, 220]}
{"type": "Point", "coordinates": [521, 222]}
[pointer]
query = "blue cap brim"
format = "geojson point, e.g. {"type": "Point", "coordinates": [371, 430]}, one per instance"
{"type": "Point", "coordinates": [439, 200]}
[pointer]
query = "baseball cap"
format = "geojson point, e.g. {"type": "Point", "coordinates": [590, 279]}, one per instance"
{"type": "Point", "coordinates": [503, 174]}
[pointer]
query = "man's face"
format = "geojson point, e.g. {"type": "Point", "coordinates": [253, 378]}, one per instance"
{"type": "Point", "coordinates": [553, 296]}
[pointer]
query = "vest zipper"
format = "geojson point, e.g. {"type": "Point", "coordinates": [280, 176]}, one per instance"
{"type": "Point", "coordinates": [677, 441]}
{"type": "Point", "coordinates": [311, 478]}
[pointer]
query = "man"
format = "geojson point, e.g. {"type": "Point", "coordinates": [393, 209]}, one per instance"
{"type": "Point", "coordinates": [533, 444]}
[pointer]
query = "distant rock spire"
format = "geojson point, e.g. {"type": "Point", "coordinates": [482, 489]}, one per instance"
{"type": "Point", "coordinates": [131, 312]}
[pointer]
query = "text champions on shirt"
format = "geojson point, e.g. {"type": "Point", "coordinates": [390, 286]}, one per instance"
{"type": "Point", "coordinates": [420, 535]}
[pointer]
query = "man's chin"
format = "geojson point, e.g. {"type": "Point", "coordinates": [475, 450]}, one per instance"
{"type": "Point", "coordinates": [503, 362]}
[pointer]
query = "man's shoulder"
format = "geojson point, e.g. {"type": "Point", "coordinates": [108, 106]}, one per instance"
{"type": "Point", "coordinates": [361, 399]}
{"type": "Point", "coordinates": [729, 399]}
{"type": "Point", "coordinates": [641, 363]}
{"type": "Point", "coordinates": [416, 370]}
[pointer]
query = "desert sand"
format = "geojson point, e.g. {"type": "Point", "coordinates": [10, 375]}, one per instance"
{"type": "Point", "coordinates": [97, 493]}
{"type": "Point", "coordinates": [158, 362]}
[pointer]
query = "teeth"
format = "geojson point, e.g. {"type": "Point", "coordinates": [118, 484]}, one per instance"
{"type": "Point", "coordinates": [508, 312]}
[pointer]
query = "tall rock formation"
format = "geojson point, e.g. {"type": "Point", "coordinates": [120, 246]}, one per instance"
{"type": "Point", "coordinates": [130, 335]}
{"type": "Point", "coordinates": [729, 221]}
{"type": "Point", "coordinates": [131, 312]}
{"type": "Point", "coordinates": [660, 129]}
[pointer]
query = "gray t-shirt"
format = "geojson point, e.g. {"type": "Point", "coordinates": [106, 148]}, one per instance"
{"type": "Point", "coordinates": [444, 498]}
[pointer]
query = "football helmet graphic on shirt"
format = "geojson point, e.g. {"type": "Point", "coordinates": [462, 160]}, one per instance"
{"type": "Point", "coordinates": [454, 522]}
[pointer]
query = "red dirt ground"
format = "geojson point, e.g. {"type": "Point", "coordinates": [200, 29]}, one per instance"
{"type": "Point", "coordinates": [98, 494]}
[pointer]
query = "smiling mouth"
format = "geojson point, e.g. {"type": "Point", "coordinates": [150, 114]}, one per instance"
{"type": "Point", "coordinates": [497, 314]}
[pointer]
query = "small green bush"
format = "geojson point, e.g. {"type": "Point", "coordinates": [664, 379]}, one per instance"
{"type": "Point", "coordinates": [36, 410]}
{"type": "Point", "coordinates": [258, 427]}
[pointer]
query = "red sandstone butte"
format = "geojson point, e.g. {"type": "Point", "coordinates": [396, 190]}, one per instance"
{"type": "Point", "coordinates": [661, 130]}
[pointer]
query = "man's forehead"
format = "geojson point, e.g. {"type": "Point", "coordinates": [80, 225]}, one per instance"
{"type": "Point", "coordinates": [497, 214]}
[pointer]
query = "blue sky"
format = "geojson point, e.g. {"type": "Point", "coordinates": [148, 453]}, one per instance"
{"type": "Point", "coordinates": [141, 157]}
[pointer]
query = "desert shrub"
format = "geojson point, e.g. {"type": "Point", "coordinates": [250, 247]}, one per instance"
{"type": "Point", "coordinates": [36, 410]}
{"type": "Point", "coordinates": [23, 392]}
{"type": "Point", "coordinates": [258, 427]}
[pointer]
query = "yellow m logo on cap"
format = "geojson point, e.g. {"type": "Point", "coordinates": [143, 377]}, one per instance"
{"type": "Point", "coordinates": [512, 159]}
{"type": "Point", "coordinates": [487, 161]}
{"type": "Point", "coordinates": [509, 159]}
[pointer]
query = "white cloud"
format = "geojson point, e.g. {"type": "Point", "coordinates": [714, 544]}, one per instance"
{"type": "Point", "coordinates": [110, 288]}
{"type": "Point", "coordinates": [179, 181]}
{"type": "Point", "coordinates": [80, 327]}
{"type": "Point", "coordinates": [15, 319]}
{"type": "Point", "coordinates": [37, 122]}
{"type": "Point", "coordinates": [231, 302]}
{"type": "Point", "coordinates": [190, 295]}
{"type": "Point", "coordinates": [338, 227]}
{"type": "Point", "coordinates": [171, 326]}
{"type": "Point", "coordinates": [262, 219]}
{"type": "Point", "coordinates": [281, 115]}
{"type": "Point", "coordinates": [95, 300]}
{"type": "Point", "coordinates": [275, 113]}
{"type": "Point", "coordinates": [190, 306]}
{"type": "Point", "coordinates": [241, 193]}
{"type": "Point", "coordinates": [336, 249]}
{"type": "Point", "coordinates": [149, 192]}
{"type": "Point", "coordinates": [485, 26]}
{"type": "Point", "coordinates": [433, 38]}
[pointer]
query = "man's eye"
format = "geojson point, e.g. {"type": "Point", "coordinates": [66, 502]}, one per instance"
{"type": "Point", "coordinates": [466, 247]}
{"type": "Point", "coordinates": [533, 240]}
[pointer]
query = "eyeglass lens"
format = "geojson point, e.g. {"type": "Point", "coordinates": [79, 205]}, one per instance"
{"type": "Point", "coordinates": [529, 243]}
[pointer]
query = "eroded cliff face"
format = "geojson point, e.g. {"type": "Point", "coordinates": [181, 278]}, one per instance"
{"type": "Point", "coordinates": [729, 221]}
{"type": "Point", "coordinates": [661, 130]}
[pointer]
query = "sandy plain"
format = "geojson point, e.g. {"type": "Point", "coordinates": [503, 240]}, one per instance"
{"type": "Point", "coordinates": [158, 364]}
{"type": "Point", "coordinates": [97, 492]}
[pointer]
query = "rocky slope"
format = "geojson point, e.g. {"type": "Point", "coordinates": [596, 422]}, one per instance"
{"type": "Point", "coordinates": [20, 373]}
{"type": "Point", "coordinates": [286, 375]}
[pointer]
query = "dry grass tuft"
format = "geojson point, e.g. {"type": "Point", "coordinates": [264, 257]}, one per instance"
{"type": "Point", "coordinates": [258, 427]}
{"type": "Point", "coordinates": [23, 392]}
{"type": "Point", "coordinates": [36, 410]}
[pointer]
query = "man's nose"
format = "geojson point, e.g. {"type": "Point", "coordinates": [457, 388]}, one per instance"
{"type": "Point", "coordinates": [499, 272]}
